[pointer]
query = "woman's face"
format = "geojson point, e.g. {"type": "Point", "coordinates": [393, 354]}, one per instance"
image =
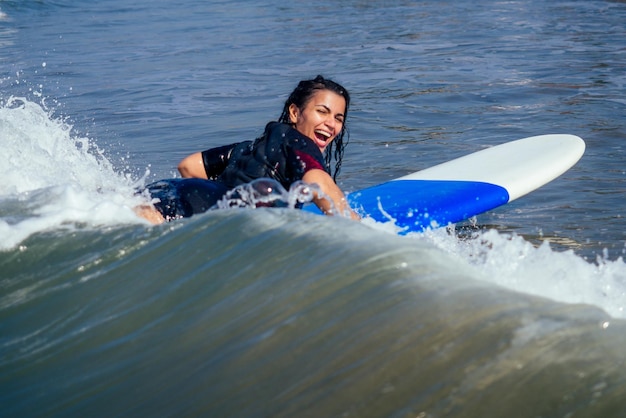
{"type": "Point", "coordinates": [322, 117]}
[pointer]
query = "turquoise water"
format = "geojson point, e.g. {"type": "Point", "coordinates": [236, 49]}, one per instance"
{"type": "Point", "coordinates": [280, 313]}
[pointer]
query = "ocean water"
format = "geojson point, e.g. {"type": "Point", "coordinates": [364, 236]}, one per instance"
{"type": "Point", "coordinates": [275, 312]}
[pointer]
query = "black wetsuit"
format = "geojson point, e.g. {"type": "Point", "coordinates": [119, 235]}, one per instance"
{"type": "Point", "coordinates": [281, 153]}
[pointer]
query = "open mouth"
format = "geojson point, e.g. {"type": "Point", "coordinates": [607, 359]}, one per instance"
{"type": "Point", "coordinates": [322, 135]}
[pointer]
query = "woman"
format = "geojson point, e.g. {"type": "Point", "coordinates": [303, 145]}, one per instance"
{"type": "Point", "coordinates": [297, 147]}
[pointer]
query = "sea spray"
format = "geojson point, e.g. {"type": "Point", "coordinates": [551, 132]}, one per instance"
{"type": "Point", "coordinates": [52, 177]}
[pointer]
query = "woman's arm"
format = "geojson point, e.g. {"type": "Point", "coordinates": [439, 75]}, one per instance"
{"type": "Point", "coordinates": [192, 166]}
{"type": "Point", "coordinates": [207, 164]}
{"type": "Point", "coordinates": [330, 189]}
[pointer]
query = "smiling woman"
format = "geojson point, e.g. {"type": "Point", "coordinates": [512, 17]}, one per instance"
{"type": "Point", "coordinates": [299, 147]}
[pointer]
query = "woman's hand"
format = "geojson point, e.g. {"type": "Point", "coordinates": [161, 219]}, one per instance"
{"type": "Point", "coordinates": [331, 191]}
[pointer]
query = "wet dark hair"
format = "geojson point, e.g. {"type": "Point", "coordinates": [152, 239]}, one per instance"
{"type": "Point", "coordinates": [300, 97]}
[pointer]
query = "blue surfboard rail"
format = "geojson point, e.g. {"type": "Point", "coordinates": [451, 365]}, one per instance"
{"type": "Point", "coordinates": [417, 205]}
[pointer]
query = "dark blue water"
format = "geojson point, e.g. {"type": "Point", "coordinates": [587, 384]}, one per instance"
{"type": "Point", "coordinates": [275, 313]}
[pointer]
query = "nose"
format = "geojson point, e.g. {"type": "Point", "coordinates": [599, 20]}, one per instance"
{"type": "Point", "coordinates": [331, 122]}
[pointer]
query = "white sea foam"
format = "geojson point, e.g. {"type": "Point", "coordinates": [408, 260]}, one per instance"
{"type": "Point", "coordinates": [510, 261]}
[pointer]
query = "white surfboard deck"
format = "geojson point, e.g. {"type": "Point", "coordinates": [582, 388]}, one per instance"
{"type": "Point", "coordinates": [519, 166]}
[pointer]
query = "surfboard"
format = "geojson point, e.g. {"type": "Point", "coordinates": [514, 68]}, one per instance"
{"type": "Point", "coordinates": [468, 186]}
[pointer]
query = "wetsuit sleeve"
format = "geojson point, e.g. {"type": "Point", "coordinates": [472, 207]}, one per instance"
{"type": "Point", "coordinates": [216, 159]}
